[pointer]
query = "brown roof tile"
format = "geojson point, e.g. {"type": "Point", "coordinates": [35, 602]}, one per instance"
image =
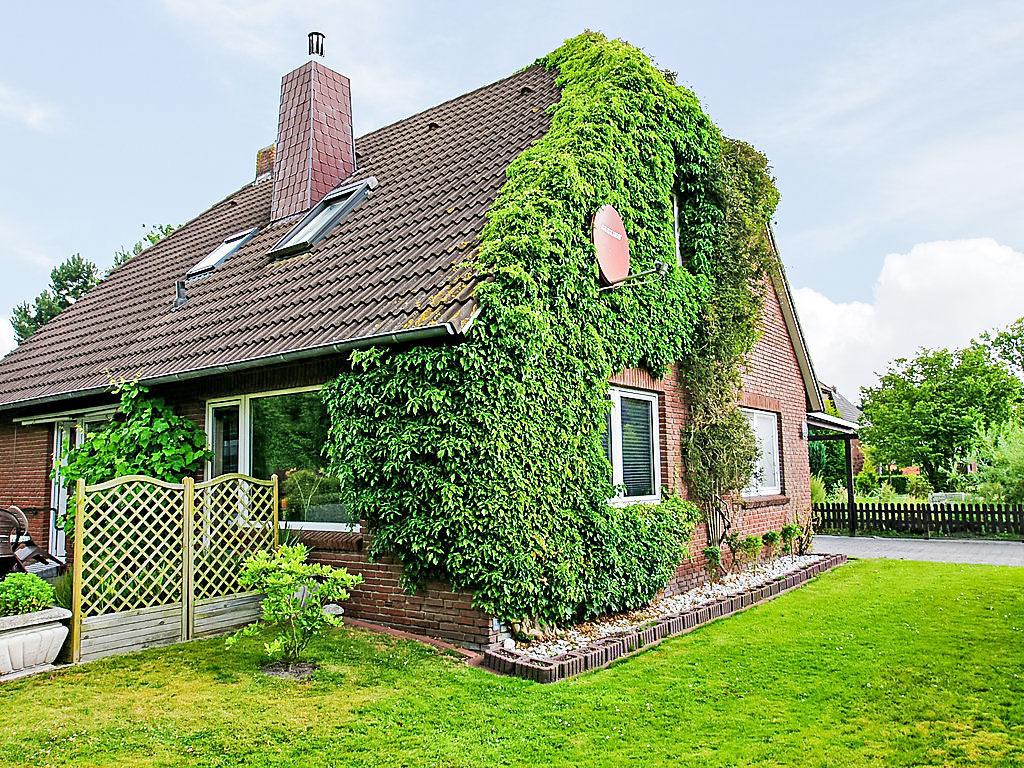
{"type": "Point", "coordinates": [390, 266]}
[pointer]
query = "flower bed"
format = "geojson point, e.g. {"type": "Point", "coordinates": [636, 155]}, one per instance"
{"type": "Point", "coordinates": [598, 643]}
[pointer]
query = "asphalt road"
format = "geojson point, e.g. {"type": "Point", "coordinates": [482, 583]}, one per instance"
{"type": "Point", "coordinates": [983, 551]}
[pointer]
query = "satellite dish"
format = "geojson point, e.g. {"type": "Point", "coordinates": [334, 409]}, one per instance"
{"type": "Point", "coordinates": [609, 238]}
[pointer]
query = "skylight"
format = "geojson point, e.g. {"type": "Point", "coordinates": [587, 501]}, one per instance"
{"type": "Point", "coordinates": [316, 224]}
{"type": "Point", "coordinates": [220, 253]}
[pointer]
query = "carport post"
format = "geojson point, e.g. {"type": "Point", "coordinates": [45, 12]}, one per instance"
{"type": "Point", "coordinates": [851, 502]}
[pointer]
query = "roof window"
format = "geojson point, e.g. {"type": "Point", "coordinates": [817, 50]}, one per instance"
{"type": "Point", "coordinates": [318, 223]}
{"type": "Point", "coordinates": [220, 253]}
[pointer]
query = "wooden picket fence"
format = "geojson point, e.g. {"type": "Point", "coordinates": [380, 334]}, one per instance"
{"type": "Point", "coordinates": [158, 562]}
{"type": "Point", "coordinates": [921, 519]}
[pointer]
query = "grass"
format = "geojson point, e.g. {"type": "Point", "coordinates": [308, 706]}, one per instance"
{"type": "Point", "coordinates": [876, 663]}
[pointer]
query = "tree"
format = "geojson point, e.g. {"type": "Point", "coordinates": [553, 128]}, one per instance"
{"type": "Point", "coordinates": [1008, 345]}
{"type": "Point", "coordinates": [156, 233]}
{"type": "Point", "coordinates": [929, 411]}
{"type": "Point", "coordinates": [68, 282]}
{"type": "Point", "coordinates": [1001, 463]}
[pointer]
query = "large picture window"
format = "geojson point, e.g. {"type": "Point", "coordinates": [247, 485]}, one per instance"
{"type": "Point", "coordinates": [281, 433]}
{"type": "Point", "coordinates": [631, 445]}
{"type": "Point", "coordinates": [768, 477]}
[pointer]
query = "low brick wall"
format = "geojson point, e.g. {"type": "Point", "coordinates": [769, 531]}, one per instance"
{"type": "Point", "coordinates": [602, 652]}
{"type": "Point", "coordinates": [433, 609]}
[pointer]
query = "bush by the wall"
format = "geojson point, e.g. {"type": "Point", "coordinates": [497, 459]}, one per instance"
{"type": "Point", "coordinates": [24, 593]}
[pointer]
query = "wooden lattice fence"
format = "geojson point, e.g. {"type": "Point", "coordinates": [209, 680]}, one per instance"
{"type": "Point", "coordinates": [158, 562]}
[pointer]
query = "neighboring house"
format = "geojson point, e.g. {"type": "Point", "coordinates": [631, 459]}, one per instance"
{"type": "Point", "coordinates": [238, 318]}
{"type": "Point", "coordinates": [848, 412]}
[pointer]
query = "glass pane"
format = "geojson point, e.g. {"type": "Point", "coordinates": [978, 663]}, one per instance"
{"type": "Point", "coordinates": [288, 437]}
{"type": "Point", "coordinates": [318, 222]}
{"type": "Point", "coordinates": [225, 440]}
{"type": "Point", "coordinates": [767, 435]}
{"type": "Point", "coordinates": [637, 446]}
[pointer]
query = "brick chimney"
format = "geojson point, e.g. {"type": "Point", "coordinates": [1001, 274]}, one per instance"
{"type": "Point", "coordinates": [315, 148]}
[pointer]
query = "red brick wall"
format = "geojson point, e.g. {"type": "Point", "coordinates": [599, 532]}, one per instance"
{"type": "Point", "coordinates": [772, 381]}
{"type": "Point", "coordinates": [25, 461]}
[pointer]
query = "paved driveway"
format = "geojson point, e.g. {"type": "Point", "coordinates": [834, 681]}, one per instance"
{"type": "Point", "coordinates": [934, 550]}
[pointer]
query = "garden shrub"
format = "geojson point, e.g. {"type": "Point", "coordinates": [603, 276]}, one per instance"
{"type": "Point", "coordinates": [789, 534]}
{"type": "Point", "coordinates": [771, 540]}
{"type": "Point", "coordinates": [24, 593]}
{"type": "Point", "coordinates": [818, 493]}
{"type": "Point", "coordinates": [713, 562]}
{"type": "Point", "coordinates": [295, 594]}
{"type": "Point", "coordinates": [752, 546]}
{"type": "Point", "coordinates": [149, 438]}
{"type": "Point", "coordinates": [481, 463]}
{"type": "Point", "coordinates": [918, 487]}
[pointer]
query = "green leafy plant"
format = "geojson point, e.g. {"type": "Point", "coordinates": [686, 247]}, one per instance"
{"type": "Point", "coordinates": [149, 439]}
{"type": "Point", "coordinates": [789, 533]}
{"type": "Point", "coordinates": [734, 541]}
{"type": "Point", "coordinates": [752, 546]}
{"type": "Point", "coordinates": [818, 493]}
{"type": "Point", "coordinates": [771, 541]}
{"type": "Point", "coordinates": [295, 595]}
{"type": "Point", "coordinates": [481, 464]}
{"type": "Point", "coordinates": [713, 562]}
{"type": "Point", "coordinates": [918, 487]}
{"type": "Point", "coordinates": [64, 590]}
{"type": "Point", "coordinates": [24, 593]}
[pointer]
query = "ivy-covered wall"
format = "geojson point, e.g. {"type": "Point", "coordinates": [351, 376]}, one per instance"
{"type": "Point", "coordinates": [481, 463]}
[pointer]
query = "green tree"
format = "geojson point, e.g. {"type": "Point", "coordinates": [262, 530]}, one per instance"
{"type": "Point", "coordinates": [928, 411]}
{"type": "Point", "coordinates": [1001, 463]}
{"type": "Point", "coordinates": [155, 234]}
{"type": "Point", "coordinates": [68, 282]}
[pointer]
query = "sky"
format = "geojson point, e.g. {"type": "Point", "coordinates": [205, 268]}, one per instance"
{"type": "Point", "coordinates": [894, 131]}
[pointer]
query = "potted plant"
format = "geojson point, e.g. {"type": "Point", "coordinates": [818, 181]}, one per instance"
{"type": "Point", "coordinates": [31, 626]}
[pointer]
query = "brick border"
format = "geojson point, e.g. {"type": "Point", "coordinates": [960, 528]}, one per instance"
{"type": "Point", "coordinates": [603, 652]}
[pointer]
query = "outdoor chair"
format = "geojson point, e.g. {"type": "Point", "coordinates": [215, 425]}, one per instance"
{"type": "Point", "coordinates": [24, 549]}
{"type": "Point", "coordinates": [9, 526]}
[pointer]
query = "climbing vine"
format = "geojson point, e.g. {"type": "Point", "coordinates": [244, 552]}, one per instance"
{"type": "Point", "coordinates": [482, 463]}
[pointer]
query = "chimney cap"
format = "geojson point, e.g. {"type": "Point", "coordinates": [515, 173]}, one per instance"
{"type": "Point", "coordinates": [316, 43]}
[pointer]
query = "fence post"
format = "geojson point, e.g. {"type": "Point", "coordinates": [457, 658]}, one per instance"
{"type": "Point", "coordinates": [851, 501]}
{"type": "Point", "coordinates": [76, 602]}
{"type": "Point", "coordinates": [277, 522]}
{"type": "Point", "coordinates": [187, 520]}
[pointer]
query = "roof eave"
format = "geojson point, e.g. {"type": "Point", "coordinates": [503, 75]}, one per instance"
{"type": "Point", "coordinates": [439, 331]}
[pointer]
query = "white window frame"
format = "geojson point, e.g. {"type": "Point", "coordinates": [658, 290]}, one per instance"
{"type": "Point", "coordinates": [206, 265]}
{"type": "Point", "coordinates": [615, 394]}
{"type": "Point", "coordinates": [244, 403]}
{"type": "Point", "coordinates": [752, 490]}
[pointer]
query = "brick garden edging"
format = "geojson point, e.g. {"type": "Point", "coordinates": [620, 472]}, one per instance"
{"type": "Point", "coordinates": [602, 652]}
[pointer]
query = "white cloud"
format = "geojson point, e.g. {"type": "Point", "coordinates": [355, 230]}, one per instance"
{"type": "Point", "coordinates": [940, 294]}
{"type": "Point", "coordinates": [18, 244]}
{"type": "Point", "coordinates": [16, 107]}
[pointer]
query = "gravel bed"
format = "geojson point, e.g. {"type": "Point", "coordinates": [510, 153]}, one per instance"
{"type": "Point", "coordinates": [582, 634]}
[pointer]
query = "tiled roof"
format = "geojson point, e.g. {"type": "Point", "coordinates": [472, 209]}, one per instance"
{"type": "Point", "coordinates": [392, 266]}
{"type": "Point", "coordinates": [847, 410]}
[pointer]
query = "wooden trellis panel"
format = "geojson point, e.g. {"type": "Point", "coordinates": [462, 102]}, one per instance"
{"type": "Point", "coordinates": [158, 562]}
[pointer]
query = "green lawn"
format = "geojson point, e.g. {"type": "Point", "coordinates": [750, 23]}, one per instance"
{"type": "Point", "coordinates": [876, 663]}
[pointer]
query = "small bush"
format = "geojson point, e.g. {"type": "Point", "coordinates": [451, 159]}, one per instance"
{"type": "Point", "coordinates": [789, 533]}
{"type": "Point", "coordinates": [735, 544]}
{"type": "Point", "coordinates": [818, 492]}
{"type": "Point", "coordinates": [866, 481]}
{"type": "Point", "coordinates": [752, 546]}
{"type": "Point", "coordinates": [24, 593]}
{"type": "Point", "coordinates": [296, 593]}
{"type": "Point", "coordinates": [918, 487]}
{"type": "Point", "coordinates": [713, 564]}
{"type": "Point", "coordinates": [771, 541]}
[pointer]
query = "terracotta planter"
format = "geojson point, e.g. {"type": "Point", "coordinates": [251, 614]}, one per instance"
{"type": "Point", "coordinates": [30, 642]}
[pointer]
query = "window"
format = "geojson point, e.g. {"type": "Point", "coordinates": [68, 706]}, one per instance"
{"type": "Point", "coordinates": [768, 478]}
{"type": "Point", "coordinates": [220, 253]}
{"type": "Point", "coordinates": [281, 433]}
{"type": "Point", "coordinates": [316, 224]}
{"type": "Point", "coordinates": [631, 445]}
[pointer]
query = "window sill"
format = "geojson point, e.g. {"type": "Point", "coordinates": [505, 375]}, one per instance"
{"type": "Point", "coordinates": [771, 500]}
{"type": "Point", "coordinates": [625, 501]}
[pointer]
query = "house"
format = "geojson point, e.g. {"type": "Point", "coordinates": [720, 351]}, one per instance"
{"type": "Point", "coordinates": [241, 316]}
{"type": "Point", "coordinates": [836, 403]}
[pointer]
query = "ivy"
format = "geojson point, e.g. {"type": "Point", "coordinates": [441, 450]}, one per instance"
{"type": "Point", "coordinates": [149, 439]}
{"type": "Point", "coordinates": [481, 463]}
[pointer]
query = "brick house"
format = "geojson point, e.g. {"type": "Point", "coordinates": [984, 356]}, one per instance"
{"type": "Point", "coordinates": [238, 318]}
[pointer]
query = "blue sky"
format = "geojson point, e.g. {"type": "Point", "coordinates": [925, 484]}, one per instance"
{"type": "Point", "coordinates": [895, 131]}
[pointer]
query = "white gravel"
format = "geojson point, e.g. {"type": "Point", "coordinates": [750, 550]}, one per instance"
{"type": "Point", "coordinates": [582, 634]}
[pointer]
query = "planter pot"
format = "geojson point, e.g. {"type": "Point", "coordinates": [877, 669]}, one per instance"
{"type": "Point", "coordinates": [31, 641]}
